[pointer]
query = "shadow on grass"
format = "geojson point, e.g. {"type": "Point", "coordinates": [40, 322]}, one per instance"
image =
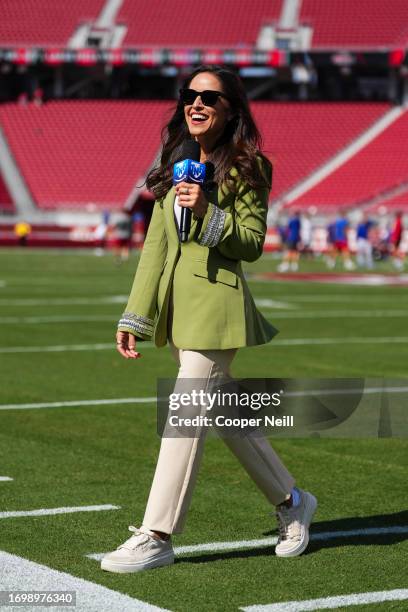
{"type": "Point", "coordinates": [398, 519]}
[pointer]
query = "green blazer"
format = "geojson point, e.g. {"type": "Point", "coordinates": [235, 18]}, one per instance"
{"type": "Point", "coordinates": [213, 306]}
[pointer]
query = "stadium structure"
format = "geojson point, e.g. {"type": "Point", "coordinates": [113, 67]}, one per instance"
{"type": "Point", "coordinates": [87, 86]}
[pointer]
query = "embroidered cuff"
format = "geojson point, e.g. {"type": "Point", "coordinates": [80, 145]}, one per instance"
{"type": "Point", "coordinates": [137, 323]}
{"type": "Point", "coordinates": [213, 231]}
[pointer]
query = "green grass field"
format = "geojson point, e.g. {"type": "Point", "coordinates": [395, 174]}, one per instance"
{"type": "Point", "coordinates": [68, 303]}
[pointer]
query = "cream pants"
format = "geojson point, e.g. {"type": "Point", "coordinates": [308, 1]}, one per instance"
{"type": "Point", "coordinates": [179, 458]}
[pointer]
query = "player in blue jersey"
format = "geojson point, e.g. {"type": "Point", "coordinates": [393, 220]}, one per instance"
{"type": "Point", "coordinates": [290, 259]}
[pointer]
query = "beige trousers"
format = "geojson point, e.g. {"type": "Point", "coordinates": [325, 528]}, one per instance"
{"type": "Point", "coordinates": [179, 458]}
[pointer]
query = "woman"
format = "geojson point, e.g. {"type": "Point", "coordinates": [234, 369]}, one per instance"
{"type": "Point", "coordinates": [203, 305]}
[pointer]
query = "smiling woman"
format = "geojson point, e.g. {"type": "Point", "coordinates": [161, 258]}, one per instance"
{"type": "Point", "coordinates": [193, 294]}
{"type": "Point", "coordinates": [206, 110]}
{"type": "Point", "coordinates": [222, 124]}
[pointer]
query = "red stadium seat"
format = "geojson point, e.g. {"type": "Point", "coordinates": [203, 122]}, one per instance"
{"type": "Point", "coordinates": [167, 24]}
{"type": "Point", "coordinates": [83, 155]}
{"type": "Point", "coordinates": [301, 137]}
{"type": "Point", "coordinates": [41, 22]}
{"type": "Point", "coordinates": [381, 164]}
{"type": "Point", "coordinates": [6, 203]}
{"type": "Point", "coordinates": [364, 24]}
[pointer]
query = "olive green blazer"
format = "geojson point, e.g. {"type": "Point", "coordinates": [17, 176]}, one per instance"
{"type": "Point", "coordinates": [213, 306]}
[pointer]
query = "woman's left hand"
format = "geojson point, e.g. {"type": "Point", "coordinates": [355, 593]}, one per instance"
{"type": "Point", "coordinates": [194, 199]}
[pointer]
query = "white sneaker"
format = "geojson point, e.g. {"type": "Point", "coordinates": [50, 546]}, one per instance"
{"type": "Point", "coordinates": [294, 526]}
{"type": "Point", "coordinates": [141, 551]}
{"type": "Point", "coordinates": [283, 266]}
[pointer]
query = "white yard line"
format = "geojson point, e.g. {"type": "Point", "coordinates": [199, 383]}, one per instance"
{"type": "Point", "coordinates": [335, 298]}
{"type": "Point", "coordinates": [210, 547]}
{"type": "Point", "coordinates": [308, 314]}
{"type": "Point", "coordinates": [268, 303]}
{"type": "Point", "coordinates": [57, 279]}
{"type": "Point", "coordinates": [100, 402]}
{"type": "Point", "coordinates": [153, 399]}
{"type": "Point", "coordinates": [283, 302]}
{"type": "Point", "coordinates": [48, 511]}
{"type": "Point", "coordinates": [333, 280]}
{"type": "Point", "coordinates": [271, 541]}
{"type": "Point", "coordinates": [336, 314]}
{"type": "Point", "coordinates": [330, 603]}
{"type": "Point", "coordinates": [344, 340]}
{"type": "Point", "coordinates": [56, 319]}
{"type": "Point", "coordinates": [62, 348]}
{"type": "Point", "coordinates": [5, 478]}
{"type": "Point", "coordinates": [17, 573]}
{"type": "Point", "coordinates": [103, 299]}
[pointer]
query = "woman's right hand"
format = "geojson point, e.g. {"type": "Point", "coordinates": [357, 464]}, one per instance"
{"type": "Point", "coordinates": [126, 345]}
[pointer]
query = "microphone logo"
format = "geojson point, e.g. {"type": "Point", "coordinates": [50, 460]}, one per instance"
{"type": "Point", "coordinates": [197, 170]}
{"type": "Point", "coordinates": [181, 169]}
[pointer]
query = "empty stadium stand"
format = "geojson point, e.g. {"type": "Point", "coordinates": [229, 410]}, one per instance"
{"type": "Point", "coordinates": [381, 164]}
{"type": "Point", "coordinates": [89, 155]}
{"type": "Point", "coordinates": [336, 23]}
{"type": "Point", "coordinates": [167, 24]}
{"type": "Point", "coordinates": [364, 24]}
{"type": "Point", "coordinates": [390, 205]}
{"type": "Point", "coordinates": [6, 203]}
{"type": "Point", "coordinates": [41, 22]}
{"type": "Point", "coordinates": [85, 155]}
{"type": "Point", "coordinates": [301, 137]}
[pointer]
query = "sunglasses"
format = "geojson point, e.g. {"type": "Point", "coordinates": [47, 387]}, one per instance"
{"type": "Point", "coordinates": [208, 97]}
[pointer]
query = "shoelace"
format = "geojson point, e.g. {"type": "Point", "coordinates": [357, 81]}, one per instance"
{"type": "Point", "coordinates": [139, 537]}
{"type": "Point", "coordinates": [288, 526]}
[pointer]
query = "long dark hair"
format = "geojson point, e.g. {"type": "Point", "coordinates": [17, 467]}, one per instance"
{"type": "Point", "coordinates": [238, 146]}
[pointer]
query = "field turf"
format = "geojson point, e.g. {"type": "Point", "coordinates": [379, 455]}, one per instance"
{"type": "Point", "coordinates": [105, 454]}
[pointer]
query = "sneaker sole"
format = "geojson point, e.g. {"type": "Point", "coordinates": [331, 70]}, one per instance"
{"type": "Point", "coordinates": [311, 505]}
{"type": "Point", "coordinates": [128, 568]}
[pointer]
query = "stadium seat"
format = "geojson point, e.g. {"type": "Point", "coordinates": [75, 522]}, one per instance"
{"type": "Point", "coordinates": [83, 155]}
{"type": "Point", "coordinates": [381, 164]}
{"type": "Point", "coordinates": [41, 22]}
{"type": "Point", "coordinates": [300, 137]}
{"type": "Point", "coordinates": [363, 24]}
{"type": "Point", "coordinates": [6, 203]}
{"type": "Point", "coordinates": [167, 24]}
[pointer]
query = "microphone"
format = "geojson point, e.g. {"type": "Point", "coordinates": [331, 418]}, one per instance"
{"type": "Point", "coordinates": [189, 170]}
{"type": "Point", "coordinates": [209, 183]}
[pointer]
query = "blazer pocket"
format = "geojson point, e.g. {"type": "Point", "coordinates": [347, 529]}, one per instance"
{"type": "Point", "coordinates": [219, 275]}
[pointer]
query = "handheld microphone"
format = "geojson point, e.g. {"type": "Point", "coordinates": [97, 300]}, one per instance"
{"type": "Point", "coordinates": [189, 170]}
{"type": "Point", "coordinates": [209, 183]}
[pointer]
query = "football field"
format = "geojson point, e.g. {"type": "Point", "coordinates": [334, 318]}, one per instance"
{"type": "Point", "coordinates": [78, 446]}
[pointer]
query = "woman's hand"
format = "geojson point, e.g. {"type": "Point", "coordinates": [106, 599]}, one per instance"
{"type": "Point", "coordinates": [194, 199]}
{"type": "Point", "coordinates": [126, 345]}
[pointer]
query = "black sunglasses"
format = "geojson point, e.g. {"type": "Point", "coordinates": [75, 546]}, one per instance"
{"type": "Point", "coordinates": [208, 97]}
